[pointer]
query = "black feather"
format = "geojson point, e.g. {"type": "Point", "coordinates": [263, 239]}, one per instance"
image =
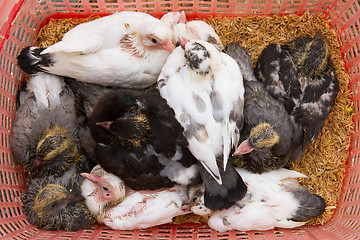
{"type": "Point", "coordinates": [310, 205]}
{"type": "Point", "coordinates": [148, 160]}
{"type": "Point", "coordinates": [260, 107]}
{"type": "Point", "coordinates": [301, 76]}
{"type": "Point", "coordinates": [30, 60]}
{"type": "Point", "coordinates": [218, 196]}
{"type": "Point", "coordinates": [56, 203]}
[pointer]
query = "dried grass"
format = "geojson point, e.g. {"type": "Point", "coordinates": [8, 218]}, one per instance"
{"type": "Point", "coordinates": [55, 29]}
{"type": "Point", "coordinates": [324, 161]}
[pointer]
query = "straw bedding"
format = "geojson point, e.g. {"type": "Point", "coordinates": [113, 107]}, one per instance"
{"type": "Point", "coordinates": [325, 160]}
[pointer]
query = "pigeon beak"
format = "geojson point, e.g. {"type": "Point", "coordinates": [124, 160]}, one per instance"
{"type": "Point", "coordinates": [186, 207]}
{"type": "Point", "coordinates": [182, 18]}
{"type": "Point", "coordinates": [74, 198]}
{"type": "Point", "coordinates": [35, 164]}
{"type": "Point", "coordinates": [92, 177]}
{"type": "Point", "coordinates": [183, 41]}
{"type": "Point", "coordinates": [169, 46]}
{"type": "Point", "coordinates": [105, 125]}
{"type": "Point", "coordinates": [243, 148]}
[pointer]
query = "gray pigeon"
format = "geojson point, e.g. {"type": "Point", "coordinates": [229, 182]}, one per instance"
{"type": "Point", "coordinates": [44, 92]}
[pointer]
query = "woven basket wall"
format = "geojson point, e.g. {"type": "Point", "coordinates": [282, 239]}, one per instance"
{"type": "Point", "coordinates": [20, 21]}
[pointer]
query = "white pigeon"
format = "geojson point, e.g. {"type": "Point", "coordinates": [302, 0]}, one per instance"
{"type": "Point", "coordinates": [133, 210]}
{"type": "Point", "coordinates": [44, 92]}
{"type": "Point", "coordinates": [274, 199]}
{"type": "Point", "coordinates": [173, 18]}
{"type": "Point", "coordinates": [126, 49]}
{"type": "Point", "coordinates": [205, 88]}
{"type": "Point", "coordinates": [202, 30]}
{"type": "Point", "coordinates": [196, 29]}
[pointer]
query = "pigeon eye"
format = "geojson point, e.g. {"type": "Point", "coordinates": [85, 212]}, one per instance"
{"type": "Point", "coordinates": [154, 40]}
{"type": "Point", "coordinates": [105, 188]}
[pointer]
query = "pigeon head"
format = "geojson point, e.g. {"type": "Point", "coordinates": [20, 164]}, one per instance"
{"type": "Point", "coordinates": [52, 205]}
{"type": "Point", "coordinates": [312, 56]}
{"type": "Point", "coordinates": [124, 125]}
{"type": "Point", "coordinates": [155, 36]}
{"type": "Point", "coordinates": [201, 30]}
{"type": "Point", "coordinates": [197, 55]}
{"type": "Point", "coordinates": [54, 154]}
{"type": "Point", "coordinates": [181, 30]}
{"type": "Point", "coordinates": [53, 198]}
{"type": "Point", "coordinates": [130, 130]}
{"type": "Point", "coordinates": [177, 22]}
{"type": "Point", "coordinates": [261, 136]}
{"type": "Point", "coordinates": [197, 30]}
{"type": "Point", "coordinates": [102, 189]}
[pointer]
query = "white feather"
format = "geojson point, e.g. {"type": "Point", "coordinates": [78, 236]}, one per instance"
{"type": "Point", "coordinates": [218, 132]}
{"type": "Point", "coordinates": [145, 209]}
{"type": "Point", "coordinates": [47, 89]}
{"type": "Point", "coordinates": [268, 203]}
{"type": "Point", "coordinates": [139, 209]}
{"type": "Point", "coordinates": [92, 52]}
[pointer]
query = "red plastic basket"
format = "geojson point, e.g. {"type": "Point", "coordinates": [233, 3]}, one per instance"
{"type": "Point", "coordinates": [20, 20]}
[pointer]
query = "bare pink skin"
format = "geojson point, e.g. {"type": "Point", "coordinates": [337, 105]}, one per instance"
{"type": "Point", "coordinates": [183, 41]}
{"type": "Point", "coordinates": [92, 177]}
{"type": "Point", "coordinates": [182, 18]}
{"type": "Point", "coordinates": [105, 125]}
{"type": "Point", "coordinates": [168, 46]}
{"type": "Point", "coordinates": [243, 148]}
{"type": "Point", "coordinates": [103, 190]}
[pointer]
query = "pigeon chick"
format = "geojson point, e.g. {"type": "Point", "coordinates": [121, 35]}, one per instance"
{"type": "Point", "coordinates": [136, 209]}
{"type": "Point", "coordinates": [270, 138]}
{"type": "Point", "coordinates": [205, 88]}
{"type": "Point", "coordinates": [173, 18]}
{"type": "Point", "coordinates": [242, 58]}
{"type": "Point", "coordinates": [191, 30]}
{"type": "Point", "coordinates": [302, 77]}
{"type": "Point", "coordinates": [203, 31]}
{"type": "Point", "coordinates": [86, 96]}
{"type": "Point", "coordinates": [56, 203]}
{"type": "Point", "coordinates": [139, 140]}
{"type": "Point", "coordinates": [53, 148]}
{"type": "Point", "coordinates": [44, 92]}
{"type": "Point", "coordinates": [126, 49]}
{"type": "Point", "coordinates": [274, 199]}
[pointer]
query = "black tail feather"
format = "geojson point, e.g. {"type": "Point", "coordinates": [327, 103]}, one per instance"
{"type": "Point", "coordinates": [310, 205]}
{"type": "Point", "coordinates": [30, 60]}
{"type": "Point", "coordinates": [218, 196]}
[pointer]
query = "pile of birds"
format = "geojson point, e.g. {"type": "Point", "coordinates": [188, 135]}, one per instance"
{"type": "Point", "coordinates": [132, 120]}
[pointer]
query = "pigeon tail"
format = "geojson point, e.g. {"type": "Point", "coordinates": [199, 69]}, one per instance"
{"type": "Point", "coordinates": [30, 60]}
{"type": "Point", "coordinates": [310, 205]}
{"type": "Point", "coordinates": [222, 196]}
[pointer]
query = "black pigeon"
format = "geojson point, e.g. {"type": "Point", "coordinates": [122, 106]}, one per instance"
{"type": "Point", "coordinates": [302, 77]}
{"type": "Point", "coordinates": [140, 140]}
{"type": "Point", "coordinates": [269, 138]}
{"type": "Point", "coordinates": [86, 96]}
{"type": "Point", "coordinates": [242, 58]}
